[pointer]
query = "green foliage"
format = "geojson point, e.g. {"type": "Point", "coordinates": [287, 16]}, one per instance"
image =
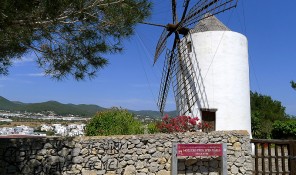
{"type": "Point", "coordinates": [264, 111]}
{"type": "Point", "coordinates": [49, 133]}
{"type": "Point", "coordinates": [4, 123]}
{"type": "Point", "coordinates": [152, 128]}
{"type": "Point", "coordinates": [267, 107]}
{"type": "Point", "coordinates": [256, 124]}
{"type": "Point", "coordinates": [69, 37]}
{"type": "Point", "coordinates": [284, 129]}
{"type": "Point", "coordinates": [293, 85]}
{"type": "Point", "coordinates": [261, 128]}
{"type": "Point", "coordinates": [114, 122]}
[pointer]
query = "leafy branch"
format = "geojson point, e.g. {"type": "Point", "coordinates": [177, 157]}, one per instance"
{"type": "Point", "coordinates": [293, 85]}
{"type": "Point", "coordinates": [69, 37]}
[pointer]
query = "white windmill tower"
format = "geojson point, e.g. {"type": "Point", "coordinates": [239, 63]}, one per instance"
{"type": "Point", "coordinates": [207, 67]}
{"type": "Point", "coordinates": [220, 71]}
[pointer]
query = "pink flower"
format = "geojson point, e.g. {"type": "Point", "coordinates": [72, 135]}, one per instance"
{"type": "Point", "coordinates": [192, 121]}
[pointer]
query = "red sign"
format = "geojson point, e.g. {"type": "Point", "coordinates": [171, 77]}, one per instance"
{"type": "Point", "coordinates": [199, 150]}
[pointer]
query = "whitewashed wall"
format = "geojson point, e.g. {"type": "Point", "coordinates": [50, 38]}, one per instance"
{"type": "Point", "coordinates": [223, 77]}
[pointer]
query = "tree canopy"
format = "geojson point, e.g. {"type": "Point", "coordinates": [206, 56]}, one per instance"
{"type": "Point", "coordinates": [267, 107]}
{"type": "Point", "coordinates": [68, 37]}
{"type": "Point", "coordinates": [264, 112]}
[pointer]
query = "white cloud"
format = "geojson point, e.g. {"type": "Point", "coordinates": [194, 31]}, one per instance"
{"type": "Point", "coordinates": [35, 74]}
{"type": "Point", "coordinates": [32, 74]}
{"type": "Point", "coordinates": [24, 59]}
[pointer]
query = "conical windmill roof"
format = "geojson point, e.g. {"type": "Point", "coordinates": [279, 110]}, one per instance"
{"type": "Point", "coordinates": [209, 24]}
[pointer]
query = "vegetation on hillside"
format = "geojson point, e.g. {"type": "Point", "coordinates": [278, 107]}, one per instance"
{"type": "Point", "coordinates": [87, 110]}
{"type": "Point", "coordinates": [58, 108]}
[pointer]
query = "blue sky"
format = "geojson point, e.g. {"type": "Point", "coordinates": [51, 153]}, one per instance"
{"type": "Point", "coordinates": [131, 81]}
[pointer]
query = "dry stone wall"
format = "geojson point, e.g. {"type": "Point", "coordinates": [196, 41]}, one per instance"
{"type": "Point", "coordinates": [135, 154]}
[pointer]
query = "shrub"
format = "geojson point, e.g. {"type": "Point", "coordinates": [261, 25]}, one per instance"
{"type": "Point", "coordinates": [284, 129]}
{"type": "Point", "coordinates": [5, 123]}
{"type": "Point", "coordinates": [152, 128]}
{"type": "Point", "coordinates": [177, 124]}
{"type": "Point", "coordinates": [113, 122]}
{"type": "Point", "coordinates": [50, 133]}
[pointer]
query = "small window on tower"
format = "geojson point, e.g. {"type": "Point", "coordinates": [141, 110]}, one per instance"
{"type": "Point", "coordinates": [208, 120]}
{"type": "Point", "coordinates": [189, 47]}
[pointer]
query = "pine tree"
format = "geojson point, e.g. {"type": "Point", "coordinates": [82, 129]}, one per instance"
{"type": "Point", "coordinates": [68, 37]}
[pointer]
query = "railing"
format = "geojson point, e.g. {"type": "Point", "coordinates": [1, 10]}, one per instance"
{"type": "Point", "coordinates": [274, 156]}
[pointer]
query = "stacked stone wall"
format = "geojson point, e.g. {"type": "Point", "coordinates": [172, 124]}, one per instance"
{"type": "Point", "coordinates": [134, 154]}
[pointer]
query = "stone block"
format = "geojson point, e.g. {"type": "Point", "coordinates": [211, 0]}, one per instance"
{"type": "Point", "coordinates": [129, 170]}
{"type": "Point", "coordinates": [163, 172]}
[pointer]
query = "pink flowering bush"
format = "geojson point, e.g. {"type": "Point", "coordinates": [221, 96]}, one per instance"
{"type": "Point", "coordinates": [182, 124]}
{"type": "Point", "coordinates": [205, 126]}
{"type": "Point", "coordinates": [177, 124]}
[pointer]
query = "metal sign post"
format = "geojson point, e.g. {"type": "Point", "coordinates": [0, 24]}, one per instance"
{"type": "Point", "coordinates": [224, 160]}
{"type": "Point", "coordinates": [174, 166]}
{"type": "Point", "coordinates": [192, 149]}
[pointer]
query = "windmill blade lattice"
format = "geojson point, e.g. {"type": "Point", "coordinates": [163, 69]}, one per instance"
{"type": "Point", "coordinates": [187, 82]}
{"type": "Point", "coordinates": [180, 68]}
{"type": "Point", "coordinates": [161, 44]}
{"type": "Point", "coordinates": [167, 72]}
{"type": "Point", "coordinates": [184, 79]}
{"type": "Point", "coordinates": [174, 11]}
{"type": "Point", "coordinates": [201, 8]}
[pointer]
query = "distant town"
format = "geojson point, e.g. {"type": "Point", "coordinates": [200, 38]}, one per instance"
{"type": "Point", "coordinates": [55, 128]}
{"type": "Point", "coordinates": [48, 124]}
{"type": "Point", "coordinates": [48, 115]}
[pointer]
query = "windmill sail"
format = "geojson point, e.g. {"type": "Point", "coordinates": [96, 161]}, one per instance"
{"type": "Point", "coordinates": [203, 7]}
{"type": "Point", "coordinates": [181, 68]}
{"type": "Point", "coordinates": [166, 79]}
{"type": "Point", "coordinates": [188, 84]}
{"type": "Point", "coordinates": [161, 44]}
{"type": "Point", "coordinates": [184, 79]}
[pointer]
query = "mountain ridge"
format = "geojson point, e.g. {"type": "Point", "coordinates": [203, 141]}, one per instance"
{"type": "Point", "coordinates": [84, 110]}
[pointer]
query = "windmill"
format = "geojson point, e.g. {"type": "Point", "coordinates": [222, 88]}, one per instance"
{"type": "Point", "coordinates": [178, 69]}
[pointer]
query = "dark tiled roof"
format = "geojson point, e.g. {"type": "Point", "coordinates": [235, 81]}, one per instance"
{"type": "Point", "coordinates": [210, 23]}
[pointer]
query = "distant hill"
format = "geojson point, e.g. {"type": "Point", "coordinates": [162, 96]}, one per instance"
{"type": "Point", "coordinates": [64, 109]}
{"type": "Point", "coordinates": [58, 108]}
{"type": "Point", "coordinates": [154, 114]}
{"type": "Point", "coordinates": [6, 104]}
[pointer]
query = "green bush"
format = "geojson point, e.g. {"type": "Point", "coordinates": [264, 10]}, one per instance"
{"type": "Point", "coordinates": [4, 123]}
{"type": "Point", "coordinates": [114, 122]}
{"type": "Point", "coordinates": [152, 128]}
{"type": "Point", "coordinates": [49, 133]}
{"type": "Point", "coordinates": [284, 129]}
